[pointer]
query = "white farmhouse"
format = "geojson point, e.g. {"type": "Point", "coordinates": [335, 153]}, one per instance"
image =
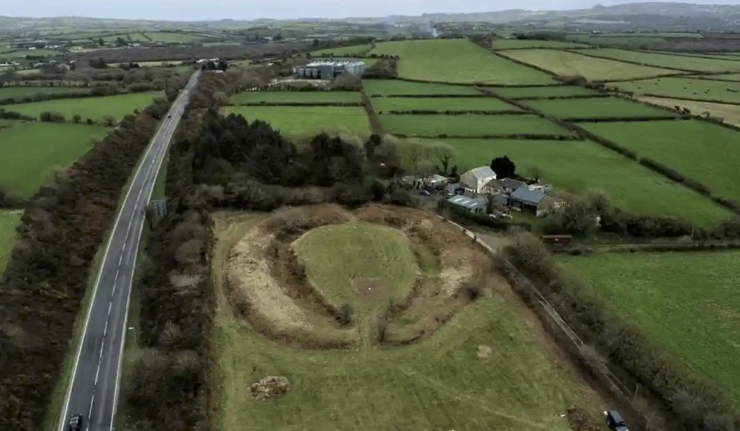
{"type": "Point", "coordinates": [475, 179]}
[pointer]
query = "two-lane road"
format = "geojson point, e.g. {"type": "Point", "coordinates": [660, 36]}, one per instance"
{"type": "Point", "coordinates": [95, 379]}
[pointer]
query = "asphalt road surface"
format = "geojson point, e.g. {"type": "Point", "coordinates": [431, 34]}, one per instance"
{"type": "Point", "coordinates": [96, 375]}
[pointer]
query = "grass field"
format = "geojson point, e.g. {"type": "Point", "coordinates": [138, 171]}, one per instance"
{"type": "Point", "coordinates": [91, 107]}
{"type": "Point", "coordinates": [514, 44]}
{"type": "Point", "coordinates": [368, 250]}
{"type": "Point", "coordinates": [384, 104]}
{"type": "Point", "coordinates": [729, 113]}
{"type": "Point", "coordinates": [441, 383]}
{"type": "Point", "coordinates": [300, 121]}
{"type": "Point", "coordinates": [594, 108]}
{"type": "Point", "coordinates": [386, 87]}
{"type": "Point", "coordinates": [696, 64]}
{"type": "Point", "coordinates": [172, 37]}
{"type": "Point", "coordinates": [9, 219]}
{"type": "Point", "coordinates": [701, 151]}
{"type": "Point", "coordinates": [468, 125]}
{"type": "Point", "coordinates": [344, 50]}
{"type": "Point", "coordinates": [701, 89]}
{"type": "Point", "coordinates": [634, 41]}
{"type": "Point", "coordinates": [728, 77]}
{"type": "Point", "coordinates": [20, 92]}
{"type": "Point", "coordinates": [569, 63]}
{"type": "Point", "coordinates": [296, 97]}
{"type": "Point", "coordinates": [457, 60]}
{"type": "Point", "coordinates": [687, 303]}
{"type": "Point", "coordinates": [31, 151]}
{"type": "Point", "coordinates": [554, 91]}
{"type": "Point", "coordinates": [24, 52]}
{"type": "Point", "coordinates": [578, 166]}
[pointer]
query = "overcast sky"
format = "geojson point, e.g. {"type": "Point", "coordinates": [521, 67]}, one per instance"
{"type": "Point", "coordinates": [192, 10]}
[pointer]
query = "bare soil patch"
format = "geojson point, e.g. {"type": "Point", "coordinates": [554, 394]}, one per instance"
{"type": "Point", "coordinates": [580, 420]}
{"type": "Point", "coordinates": [369, 287]}
{"type": "Point", "coordinates": [269, 387]}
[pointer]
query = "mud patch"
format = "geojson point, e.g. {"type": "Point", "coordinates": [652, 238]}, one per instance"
{"type": "Point", "coordinates": [579, 420]}
{"type": "Point", "coordinates": [269, 387]}
{"type": "Point", "coordinates": [369, 287]}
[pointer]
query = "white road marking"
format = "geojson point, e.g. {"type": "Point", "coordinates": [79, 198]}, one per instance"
{"type": "Point", "coordinates": [105, 330]}
{"type": "Point", "coordinates": [97, 373]}
{"type": "Point", "coordinates": [110, 304]}
{"type": "Point", "coordinates": [89, 412]}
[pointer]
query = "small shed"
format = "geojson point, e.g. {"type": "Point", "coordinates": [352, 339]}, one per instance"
{"type": "Point", "coordinates": [531, 201]}
{"type": "Point", "coordinates": [476, 205]}
{"type": "Point", "coordinates": [475, 179]}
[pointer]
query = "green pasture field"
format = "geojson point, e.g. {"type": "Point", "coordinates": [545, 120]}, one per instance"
{"type": "Point", "coordinates": [685, 303]}
{"type": "Point", "coordinates": [384, 104]}
{"type": "Point", "coordinates": [343, 50]}
{"type": "Point", "coordinates": [306, 121]}
{"type": "Point", "coordinates": [468, 125]}
{"type": "Point", "coordinates": [569, 63]}
{"type": "Point", "coordinates": [579, 166]}
{"type": "Point", "coordinates": [9, 219]}
{"type": "Point", "coordinates": [701, 151]}
{"type": "Point", "coordinates": [594, 108]}
{"type": "Point", "coordinates": [700, 89]}
{"type": "Point", "coordinates": [554, 91]}
{"type": "Point", "coordinates": [132, 37]}
{"type": "Point", "coordinates": [165, 37]}
{"type": "Point", "coordinates": [440, 383]}
{"type": "Point", "coordinates": [729, 77]}
{"type": "Point", "coordinates": [632, 41]}
{"type": "Point", "coordinates": [514, 43]}
{"type": "Point", "coordinates": [697, 64]}
{"type": "Point", "coordinates": [7, 123]}
{"type": "Point", "coordinates": [458, 61]}
{"type": "Point", "coordinates": [296, 97]}
{"type": "Point", "coordinates": [23, 53]}
{"type": "Point", "coordinates": [387, 87]}
{"type": "Point", "coordinates": [729, 113]}
{"type": "Point", "coordinates": [90, 107]}
{"type": "Point", "coordinates": [31, 151]}
{"type": "Point", "coordinates": [21, 92]}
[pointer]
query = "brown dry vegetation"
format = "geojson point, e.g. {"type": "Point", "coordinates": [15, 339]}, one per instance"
{"type": "Point", "coordinates": [267, 285]}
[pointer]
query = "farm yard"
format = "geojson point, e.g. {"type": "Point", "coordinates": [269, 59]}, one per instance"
{"type": "Point", "coordinates": [660, 293]}
{"type": "Point", "coordinates": [95, 108]}
{"type": "Point", "coordinates": [470, 372]}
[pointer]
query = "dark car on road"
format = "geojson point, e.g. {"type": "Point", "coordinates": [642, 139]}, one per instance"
{"type": "Point", "coordinates": [75, 423]}
{"type": "Point", "coordinates": [614, 421]}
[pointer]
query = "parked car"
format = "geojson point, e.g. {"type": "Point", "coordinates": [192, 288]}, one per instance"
{"type": "Point", "coordinates": [75, 422]}
{"type": "Point", "coordinates": [614, 421]}
{"type": "Point", "coordinates": [424, 192]}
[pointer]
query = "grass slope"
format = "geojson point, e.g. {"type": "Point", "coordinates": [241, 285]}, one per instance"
{"type": "Point", "coordinates": [730, 113]}
{"type": "Point", "coordinates": [387, 87]}
{"type": "Point", "coordinates": [382, 104]}
{"type": "Point", "coordinates": [468, 125]}
{"type": "Point", "coordinates": [696, 64]}
{"type": "Point", "coordinates": [554, 91]}
{"type": "Point", "coordinates": [296, 97]}
{"type": "Point", "coordinates": [578, 166]}
{"type": "Point", "coordinates": [91, 107]}
{"type": "Point", "coordinates": [728, 77]}
{"type": "Point", "coordinates": [701, 89]}
{"type": "Point", "coordinates": [701, 151]}
{"type": "Point", "coordinates": [567, 63]}
{"type": "Point", "coordinates": [31, 151]}
{"type": "Point", "coordinates": [303, 121]}
{"type": "Point", "coordinates": [687, 303]}
{"type": "Point", "coordinates": [457, 60]}
{"type": "Point", "coordinates": [9, 219]}
{"type": "Point", "coordinates": [593, 108]}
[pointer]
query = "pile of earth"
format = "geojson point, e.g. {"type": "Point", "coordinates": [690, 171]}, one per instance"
{"type": "Point", "coordinates": [269, 387]}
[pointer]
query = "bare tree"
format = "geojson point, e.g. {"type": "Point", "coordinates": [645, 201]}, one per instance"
{"type": "Point", "coordinates": [535, 172]}
{"type": "Point", "coordinates": [416, 152]}
{"type": "Point", "coordinates": [444, 153]}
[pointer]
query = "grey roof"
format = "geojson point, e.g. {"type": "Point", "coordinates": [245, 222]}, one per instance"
{"type": "Point", "coordinates": [467, 202]}
{"type": "Point", "coordinates": [525, 195]}
{"type": "Point", "coordinates": [501, 199]}
{"type": "Point", "coordinates": [454, 186]}
{"type": "Point", "coordinates": [510, 183]}
{"type": "Point", "coordinates": [483, 172]}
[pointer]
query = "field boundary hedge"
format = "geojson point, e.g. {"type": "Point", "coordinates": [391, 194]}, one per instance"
{"type": "Point", "coordinates": [89, 92]}
{"type": "Point", "coordinates": [46, 278]}
{"type": "Point", "coordinates": [704, 78]}
{"type": "Point", "coordinates": [452, 112]}
{"type": "Point", "coordinates": [690, 99]}
{"type": "Point", "coordinates": [635, 119]}
{"type": "Point", "coordinates": [467, 84]}
{"type": "Point", "coordinates": [691, 247]}
{"type": "Point", "coordinates": [483, 43]}
{"type": "Point", "coordinates": [432, 96]}
{"type": "Point", "coordinates": [645, 78]}
{"type": "Point", "coordinates": [375, 127]}
{"type": "Point", "coordinates": [711, 120]}
{"type": "Point", "coordinates": [575, 96]}
{"type": "Point", "coordinates": [636, 63]}
{"type": "Point", "coordinates": [510, 136]}
{"type": "Point", "coordinates": [315, 104]}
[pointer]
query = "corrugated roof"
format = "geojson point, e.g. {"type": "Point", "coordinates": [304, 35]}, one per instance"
{"type": "Point", "coordinates": [467, 202]}
{"type": "Point", "coordinates": [510, 183]}
{"type": "Point", "coordinates": [528, 196]}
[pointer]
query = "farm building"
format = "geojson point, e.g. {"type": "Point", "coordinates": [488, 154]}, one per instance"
{"type": "Point", "coordinates": [531, 201]}
{"type": "Point", "coordinates": [328, 69]}
{"type": "Point", "coordinates": [476, 205]}
{"type": "Point", "coordinates": [476, 179]}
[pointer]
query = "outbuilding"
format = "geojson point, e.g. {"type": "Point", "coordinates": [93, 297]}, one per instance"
{"type": "Point", "coordinates": [476, 205]}
{"type": "Point", "coordinates": [531, 201]}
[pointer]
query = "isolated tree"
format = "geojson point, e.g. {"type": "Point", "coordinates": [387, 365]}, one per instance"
{"type": "Point", "coordinates": [444, 154]}
{"type": "Point", "coordinates": [416, 152]}
{"type": "Point", "coordinates": [535, 173]}
{"type": "Point", "coordinates": [503, 167]}
{"type": "Point", "coordinates": [315, 42]}
{"type": "Point", "coordinates": [77, 119]}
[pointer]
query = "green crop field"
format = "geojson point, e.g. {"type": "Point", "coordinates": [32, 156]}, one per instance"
{"type": "Point", "coordinates": [31, 151]}
{"type": "Point", "coordinates": [728, 77]}
{"type": "Point", "coordinates": [296, 97]}
{"type": "Point", "coordinates": [9, 219]}
{"type": "Point", "coordinates": [704, 152]}
{"type": "Point", "coordinates": [384, 104]}
{"type": "Point", "coordinates": [697, 64]}
{"type": "Point", "coordinates": [92, 107]}
{"type": "Point", "coordinates": [554, 91]}
{"type": "Point", "coordinates": [457, 60]}
{"type": "Point", "coordinates": [579, 166]}
{"type": "Point", "coordinates": [635, 41]}
{"type": "Point", "coordinates": [569, 63]}
{"type": "Point", "coordinates": [26, 91]}
{"type": "Point", "coordinates": [172, 37]}
{"type": "Point", "coordinates": [304, 121]}
{"type": "Point", "coordinates": [344, 50]}
{"type": "Point", "coordinates": [686, 303]}
{"type": "Point", "coordinates": [594, 108]}
{"type": "Point", "coordinates": [129, 37]}
{"type": "Point", "coordinates": [468, 125]}
{"type": "Point", "coordinates": [514, 44]}
{"type": "Point", "coordinates": [700, 89]}
{"type": "Point", "coordinates": [387, 87]}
